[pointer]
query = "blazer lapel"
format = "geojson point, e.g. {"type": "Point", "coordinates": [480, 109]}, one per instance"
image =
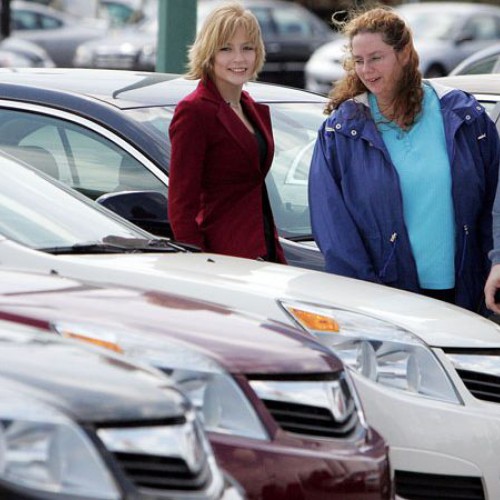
{"type": "Point", "coordinates": [258, 114]}
{"type": "Point", "coordinates": [260, 117]}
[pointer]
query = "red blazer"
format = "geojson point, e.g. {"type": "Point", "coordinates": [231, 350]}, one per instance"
{"type": "Point", "coordinates": [216, 180]}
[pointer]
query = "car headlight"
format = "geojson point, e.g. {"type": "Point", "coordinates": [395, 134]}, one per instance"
{"type": "Point", "coordinates": [147, 57]}
{"type": "Point", "coordinates": [379, 350]}
{"type": "Point", "coordinates": [83, 57]}
{"type": "Point", "coordinates": [221, 404]}
{"type": "Point", "coordinates": [42, 449]}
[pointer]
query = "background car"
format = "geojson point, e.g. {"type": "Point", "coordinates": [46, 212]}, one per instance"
{"type": "Point", "coordinates": [483, 61]}
{"type": "Point", "coordinates": [486, 88]}
{"type": "Point", "coordinates": [444, 33]}
{"type": "Point", "coordinates": [132, 47]}
{"type": "Point", "coordinates": [426, 371]}
{"type": "Point", "coordinates": [280, 412]}
{"type": "Point", "coordinates": [56, 32]}
{"type": "Point", "coordinates": [290, 32]}
{"type": "Point", "coordinates": [112, 135]}
{"type": "Point", "coordinates": [122, 12]}
{"type": "Point", "coordinates": [77, 422]}
{"type": "Point", "coordinates": [21, 53]}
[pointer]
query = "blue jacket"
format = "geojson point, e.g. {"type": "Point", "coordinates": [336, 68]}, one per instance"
{"type": "Point", "coordinates": [356, 203]}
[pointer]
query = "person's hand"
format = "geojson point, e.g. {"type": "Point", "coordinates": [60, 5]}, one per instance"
{"type": "Point", "coordinates": [491, 287]}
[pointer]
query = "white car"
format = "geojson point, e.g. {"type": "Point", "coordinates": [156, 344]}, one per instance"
{"type": "Point", "coordinates": [428, 373]}
{"type": "Point", "coordinates": [445, 33]}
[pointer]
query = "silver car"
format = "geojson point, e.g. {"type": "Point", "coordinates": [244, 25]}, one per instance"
{"type": "Point", "coordinates": [445, 33]}
{"type": "Point", "coordinates": [55, 31]}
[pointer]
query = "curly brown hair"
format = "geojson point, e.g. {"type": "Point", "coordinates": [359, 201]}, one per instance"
{"type": "Point", "coordinates": [395, 32]}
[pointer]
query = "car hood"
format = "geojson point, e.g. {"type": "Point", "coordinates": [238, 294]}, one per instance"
{"type": "Point", "coordinates": [256, 287]}
{"type": "Point", "coordinates": [239, 342]}
{"type": "Point", "coordinates": [82, 381]}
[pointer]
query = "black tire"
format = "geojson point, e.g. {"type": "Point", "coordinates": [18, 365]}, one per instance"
{"type": "Point", "coordinates": [435, 71]}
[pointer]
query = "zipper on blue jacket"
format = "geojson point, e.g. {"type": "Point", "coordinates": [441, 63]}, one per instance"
{"type": "Point", "coordinates": [464, 248]}
{"type": "Point", "coordinates": [393, 242]}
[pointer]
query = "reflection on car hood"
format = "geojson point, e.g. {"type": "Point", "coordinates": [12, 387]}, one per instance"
{"type": "Point", "coordinates": [256, 286]}
{"type": "Point", "coordinates": [82, 381]}
{"type": "Point", "coordinates": [239, 342]}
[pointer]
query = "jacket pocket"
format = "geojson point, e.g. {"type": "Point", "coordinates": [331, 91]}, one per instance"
{"type": "Point", "coordinates": [383, 253]}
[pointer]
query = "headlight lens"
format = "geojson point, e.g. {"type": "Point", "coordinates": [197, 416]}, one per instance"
{"type": "Point", "coordinates": [42, 449]}
{"type": "Point", "coordinates": [379, 350]}
{"type": "Point", "coordinates": [83, 56]}
{"type": "Point", "coordinates": [221, 404]}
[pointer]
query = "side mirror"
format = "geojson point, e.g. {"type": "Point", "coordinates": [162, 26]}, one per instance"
{"type": "Point", "coordinates": [146, 209]}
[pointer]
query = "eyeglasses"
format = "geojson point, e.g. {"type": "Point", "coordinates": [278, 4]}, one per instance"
{"type": "Point", "coordinates": [374, 60]}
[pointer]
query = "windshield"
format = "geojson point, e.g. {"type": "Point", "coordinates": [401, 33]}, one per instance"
{"type": "Point", "coordinates": [427, 25]}
{"type": "Point", "coordinates": [39, 213]}
{"type": "Point", "coordinates": [295, 128]}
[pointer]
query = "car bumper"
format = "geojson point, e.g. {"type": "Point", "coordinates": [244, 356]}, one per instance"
{"type": "Point", "coordinates": [457, 444]}
{"type": "Point", "coordinates": [290, 467]}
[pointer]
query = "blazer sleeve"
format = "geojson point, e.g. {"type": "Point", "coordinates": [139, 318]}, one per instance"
{"type": "Point", "coordinates": [188, 144]}
{"type": "Point", "coordinates": [333, 228]}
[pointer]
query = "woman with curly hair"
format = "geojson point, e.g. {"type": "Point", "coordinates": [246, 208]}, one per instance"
{"type": "Point", "coordinates": [404, 171]}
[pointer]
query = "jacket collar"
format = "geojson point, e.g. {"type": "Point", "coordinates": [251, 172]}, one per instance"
{"type": "Point", "coordinates": [258, 114]}
{"type": "Point", "coordinates": [351, 117]}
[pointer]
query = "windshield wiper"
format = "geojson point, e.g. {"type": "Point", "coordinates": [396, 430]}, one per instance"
{"type": "Point", "coordinates": [83, 248]}
{"type": "Point", "coordinates": [119, 244]}
{"type": "Point", "coordinates": [152, 245]}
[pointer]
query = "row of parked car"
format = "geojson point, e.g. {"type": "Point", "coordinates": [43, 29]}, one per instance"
{"type": "Point", "coordinates": [302, 49]}
{"type": "Point", "coordinates": [307, 384]}
{"type": "Point", "coordinates": [134, 366]}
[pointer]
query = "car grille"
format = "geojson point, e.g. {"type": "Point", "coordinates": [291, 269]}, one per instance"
{"type": "Point", "coordinates": [315, 407]}
{"type": "Point", "coordinates": [166, 456]}
{"type": "Point", "coordinates": [115, 61]}
{"type": "Point", "coordinates": [479, 370]}
{"type": "Point", "coordinates": [163, 473]}
{"type": "Point", "coordinates": [418, 486]}
{"type": "Point", "coordinates": [481, 385]}
{"type": "Point", "coordinates": [311, 420]}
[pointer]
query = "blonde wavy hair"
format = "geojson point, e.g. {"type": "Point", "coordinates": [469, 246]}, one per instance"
{"type": "Point", "coordinates": [219, 27]}
{"type": "Point", "coordinates": [395, 32]}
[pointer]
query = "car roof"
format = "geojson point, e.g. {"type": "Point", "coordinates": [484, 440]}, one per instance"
{"type": "Point", "coordinates": [477, 84]}
{"type": "Point", "coordinates": [128, 89]}
{"type": "Point", "coordinates": [446, 6]}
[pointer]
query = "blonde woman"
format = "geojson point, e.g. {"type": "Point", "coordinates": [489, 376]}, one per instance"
{"type": "Point", "coordinates": [222, 144]}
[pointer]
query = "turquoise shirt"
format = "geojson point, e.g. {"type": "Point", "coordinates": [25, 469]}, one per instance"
{"type": "Point", "coordinates": [423, 166]}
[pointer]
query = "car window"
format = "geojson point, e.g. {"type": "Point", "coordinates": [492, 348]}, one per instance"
{"type": "Point", "coordinates": [26, 20]}
{"type": "Point", "coordinates": [295, 129]}
{"type": "Point", "coordinates": [83, 159]}
{"type": "Point", "coordinates": [265, 20]}
{"type": "Point", "coordinates": [483, 66]}
{"type": "Point", "coordinates": [483, 27]}
{"type": "Point", "coordinates": [41, 215]}
{"type": "Point", "coordinates": [425, 26]}
{"type": "Point", "coordinates": [289, 22]}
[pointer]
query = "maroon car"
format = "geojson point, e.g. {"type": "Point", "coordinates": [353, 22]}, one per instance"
{"type": "Point", "coordinates": [280, 411]}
